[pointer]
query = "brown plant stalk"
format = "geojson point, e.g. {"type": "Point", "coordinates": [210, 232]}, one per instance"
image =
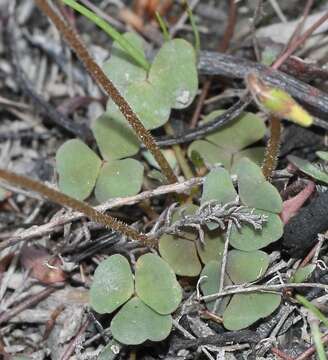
{"type": "Point", "coordinates": [74, 41]}
{"type": "Point", "coordinates": [67, 201]}
{"type": "Point", "coordinates": [272, 149]}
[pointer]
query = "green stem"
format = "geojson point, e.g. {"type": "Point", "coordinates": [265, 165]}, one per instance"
{"type": "Point", "coordinates": [194, 28]}
{"type": "Point", "coordinates": [163, 26]}
{"type": "Point", "coordinates": [135, 53]}
{"type": "Point", "coordinates": [185, 168]}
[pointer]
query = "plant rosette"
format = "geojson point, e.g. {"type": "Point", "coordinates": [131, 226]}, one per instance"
{"type": "Point", "coordinates": [171, 83]}
{"type": "Point", "coordinates": [240, 310]}
{"type": "Point", "coordinates": [245, 263]}
{"type": "Point", "coordinates": [185, 254]}
{"type": "Point", "coordinates": [143, 302]}
{"type": "Point", "coordinates": [151, 96]}
{"type": "Point", "coordinates": [81, 170]}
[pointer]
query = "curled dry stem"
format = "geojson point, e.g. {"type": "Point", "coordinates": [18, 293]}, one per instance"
{"type": "Point", "coordinates": [99, 76]}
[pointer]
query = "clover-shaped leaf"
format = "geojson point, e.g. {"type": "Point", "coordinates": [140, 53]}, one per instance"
{"type": "Point", "coordinates": [210, 283]}
{"type": "Point", "coordinates": [249, 239]}
{"type": "Point", "coordinates": [174, 72]}
{"type": "Point", "coordinates": [157, 294]}
{"type": "Point", "coordinates": [149, 103]}
{"type": "Point", "coordinates": [136, 322]}
{"type": "Point", "coordinates": [156, 284]}
{"type": "Point", "coordinates": [245, 309]}
{"type": "Point", "coordinates": [308, 168]}
{"type": "Point", "coordinates": [78, 167]}
{"type": "Point", "coordinates": [114, 136]}
{"type": "Point", "coordinates": [218, 186]}
{"type": "Point", "coordinates": [121, 68]}
{"type": "Point", "coordinates": [245, 266]}
{"type": "Point", "coordinates": [112, 285]}
{"type": "Point", "coordinates": [254, 190]}
{"type": "Point", "coordinates": [212, 249]}
{"type": "Point", "coordinates": [181, 254]}
{"type": "Point", "coordinates": [152, 97]}
{"type": "Point", "coordinates": [225, 146]}
{"type": "Point", "coordinates": [119, 178]}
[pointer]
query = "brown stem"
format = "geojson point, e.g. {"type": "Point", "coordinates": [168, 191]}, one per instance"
{"type": "Point", "coordinates": [65, 200]}
{"type": "Point", "coordinates": [99, 76]}
{"type": "Point", "coordinates": [272, 149]}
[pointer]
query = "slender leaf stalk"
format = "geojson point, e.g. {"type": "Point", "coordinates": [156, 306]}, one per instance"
{"type": "Point", "coordinates": [163, 26]}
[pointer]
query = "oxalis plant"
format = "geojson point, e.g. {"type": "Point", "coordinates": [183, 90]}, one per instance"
{"type": "Point", "coordinates": [170, 83]}
{"type": "Point", "coordinates": [148, 297]}
{"type": "Point", "coordinates": [219, 240]}
{"type": "Point", "coordinates": [255, 223]}
{"type": "Point", "coordinates": [194, 242]}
